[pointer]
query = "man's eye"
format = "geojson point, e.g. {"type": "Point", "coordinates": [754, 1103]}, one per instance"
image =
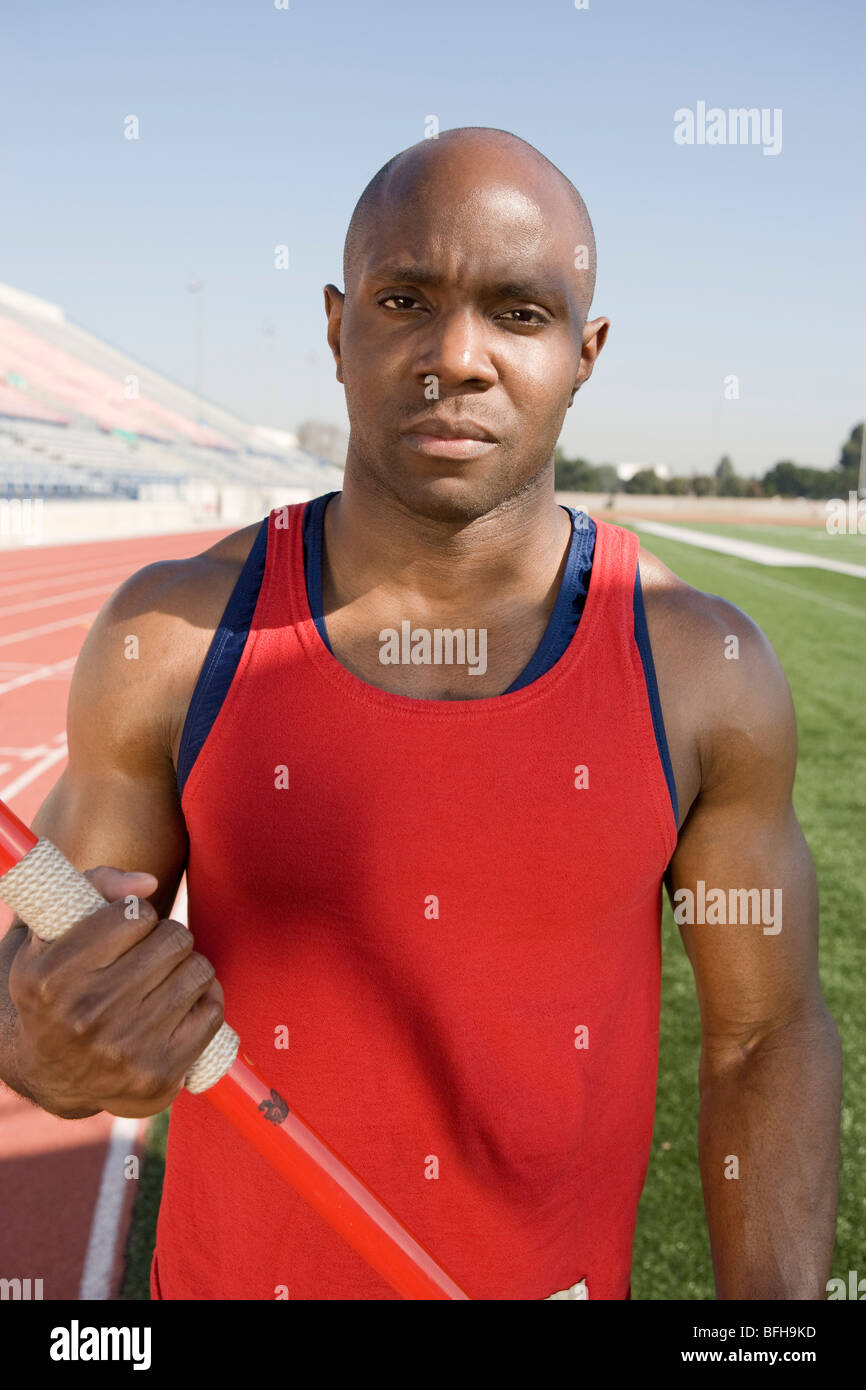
{"type": "Point", "coordinates": [405, 298]}
{"type": "Point", "coordinates": [539, 318]}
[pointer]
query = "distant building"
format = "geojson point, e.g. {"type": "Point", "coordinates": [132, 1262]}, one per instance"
{"type": "Point", "coordinates": [264, 436]}
{"type": "Point", "coordinates": [626, 471]}
{"type": "Point", "coordinates": [324, 441]}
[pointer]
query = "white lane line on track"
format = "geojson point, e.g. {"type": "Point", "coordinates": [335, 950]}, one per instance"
{"type": "Point", "coordinates": [25, 778]}
{"type": "Point", "coordinates": [43, 673]}
{"type": "Point", "coordinates": [96, 1277]}
{"type": "Point", "coordinates": [47, 558]}
{"type": "Point", "coordinates": [74, 565]}
{"type": "Point", "coordinates": [11, 637]}
{"type": "Point", "coordinates": [108, 1212]}
{"type": "Point", "coordinates": [53, 600]}
{"type": "Point", "coordinates": [37, 750]}
{"type": "Point", "coordinates": [119, 572]}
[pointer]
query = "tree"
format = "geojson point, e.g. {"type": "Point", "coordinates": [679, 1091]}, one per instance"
{"type": "Point", "coordinates": [573, 475]}
{"type": "Point", "coordinates": [607, 478]}
{"type": "Point", "coordinates": [645, 480]}
{"type": "Point", "coordinates": [847, 471]}
{"type": "Point", "coordinates": [787, 479]}
{"type": "Point", "coordinates": [578, 475]}
{"type": "Point", "coordinates": [783, 480]}
{"type": "Point", "coordinates": [728, 481]}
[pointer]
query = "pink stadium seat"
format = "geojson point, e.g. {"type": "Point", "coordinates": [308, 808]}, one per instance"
{"type": "Point", "coordinates": [59, 377]}
{"type": "Point", "coordinates": [20, 406]}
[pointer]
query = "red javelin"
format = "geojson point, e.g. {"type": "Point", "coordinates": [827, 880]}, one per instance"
{"type": "Point", "coordinates": [49, 894]}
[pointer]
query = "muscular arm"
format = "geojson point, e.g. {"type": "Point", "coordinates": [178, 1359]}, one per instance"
{"type": "Point", "coordinates": [116, 801]}
{"type": "Point", "coordinates": [770, 1068]}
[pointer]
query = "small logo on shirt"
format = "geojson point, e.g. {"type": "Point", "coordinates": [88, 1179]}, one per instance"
{"type": "Point", "coordinates": [274, 1109]}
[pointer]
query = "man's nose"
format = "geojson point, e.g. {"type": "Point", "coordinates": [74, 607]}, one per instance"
{"type": "Point", "coordinates": [456, 348]}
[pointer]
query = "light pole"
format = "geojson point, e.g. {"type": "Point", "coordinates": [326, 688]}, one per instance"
{"type": "Point", "coordinates": [195, 287]}
{"type": "Point", "coordinates": [272, 389]}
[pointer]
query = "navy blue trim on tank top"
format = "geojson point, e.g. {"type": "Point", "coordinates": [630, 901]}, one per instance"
{"type": "Point", "coordinates": [641, 636]}
{"type": "Point", "coordinates": [314, 544]}
{"type": "Point", "coordinates": [223, 656]}
{"type": "Point", "coordinates": [570, 601]}
{"type": "Point", "coordinates": [561, 624]}
{"type": "Point", "coordinates": [230, 638]}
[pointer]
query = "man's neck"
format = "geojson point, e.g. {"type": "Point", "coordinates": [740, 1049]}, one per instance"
{"type": "Point", "coordinates": [374, 542]}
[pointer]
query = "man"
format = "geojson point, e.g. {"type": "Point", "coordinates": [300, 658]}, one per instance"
{"type": "Point", "coordinates": [429, 883]}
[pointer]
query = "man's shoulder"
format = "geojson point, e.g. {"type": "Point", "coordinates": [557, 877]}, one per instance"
{"type": "Point", "coordinates": [147, 645]}
{"type": "Point", "coordinates": [187, 589]}
{"type": "Point", "coordinates": [690, 617]}
{"type": "Point", "coordinates": [679, 614]}
{"type": "Point", "coordinates": [716, 668]}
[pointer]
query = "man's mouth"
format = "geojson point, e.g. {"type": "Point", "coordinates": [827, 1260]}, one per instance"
{"type": "Point", "coordinates": [437, 446]}
{"type": "Point", "coordinates": [441, 438]}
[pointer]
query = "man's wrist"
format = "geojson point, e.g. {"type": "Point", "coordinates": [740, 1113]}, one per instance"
{"type": "Point", "coordinates": [19, 1081]}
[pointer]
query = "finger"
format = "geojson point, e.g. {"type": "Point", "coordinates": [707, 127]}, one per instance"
{"type": "Point", "coordinates": [153, 960]}
{"type": "Point", "coordinates": [180, 991]}
{"type": "Point", "coordinates": [202, 1023]}
{"type": "Point", "coordinates": [115, 883]}
{"type": "Point", "coordinates": [100, 939]}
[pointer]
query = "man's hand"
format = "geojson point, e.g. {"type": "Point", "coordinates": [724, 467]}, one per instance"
{"type": "Point", "coordinates": [112, 1015]}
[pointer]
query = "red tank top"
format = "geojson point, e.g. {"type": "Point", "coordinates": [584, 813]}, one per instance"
{"type": "Point", "coordinates": [452, 911]}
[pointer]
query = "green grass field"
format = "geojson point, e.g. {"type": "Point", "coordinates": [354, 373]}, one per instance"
{"type": "Point", "coordinates": [816, 621]}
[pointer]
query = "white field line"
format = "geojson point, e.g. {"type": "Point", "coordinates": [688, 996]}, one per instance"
{"type": "Point", "coordinates": [773, 555]}
{"type": "Point", "coordinates": [108, 1212]}
{"type": "Point", "coordinates": [119, 571]}
{"type": "Point", "coordinates": [72, 565]}
{"type": "Point", "coordinates": [42, 673]}
{"type": "Point", "coordinates": [25, 778]}
{"type": "Point", "coordinates": [11, 637]}
{"type": "Point", "coordinates": [53, 600]}
{"type": "Point", "coordinates": [7, 666]}
{"type": "Point", "coordinates": [38, 750]}
{"type": "Point", "coordinates": [756, 576]}
{"type": "Point", "coordinates": [803, 593]}
{"type": "Point", "coordinates": [124, 1139]}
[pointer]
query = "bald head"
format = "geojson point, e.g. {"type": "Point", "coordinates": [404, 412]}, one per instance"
{"type": "Point", "coordinates": [426, 169]}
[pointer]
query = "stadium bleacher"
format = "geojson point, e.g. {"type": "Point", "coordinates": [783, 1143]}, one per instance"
{"type": "Point", "coordinates": [79, 418]}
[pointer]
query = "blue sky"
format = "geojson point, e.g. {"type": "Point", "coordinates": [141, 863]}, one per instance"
{"type": "Point", "coordinates": [261, 127]}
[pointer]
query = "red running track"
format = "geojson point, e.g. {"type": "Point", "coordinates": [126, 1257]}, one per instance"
{"type": "Point", "coordinates": [65, 1202]}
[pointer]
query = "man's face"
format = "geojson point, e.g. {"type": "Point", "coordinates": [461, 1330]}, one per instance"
{"type": "Point", "coordinates": [465, 309]}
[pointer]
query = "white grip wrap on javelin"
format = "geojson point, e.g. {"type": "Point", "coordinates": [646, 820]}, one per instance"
{"type": "Point", "coordinates": [50, 895]}
{"type": "Point", "coordinates": [48, 892]}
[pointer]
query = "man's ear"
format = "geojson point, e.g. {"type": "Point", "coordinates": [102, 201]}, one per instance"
{"type": "Point", "coordinates": [594, 338]}
{"type": "Point", "coordinates": [334, 301]}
